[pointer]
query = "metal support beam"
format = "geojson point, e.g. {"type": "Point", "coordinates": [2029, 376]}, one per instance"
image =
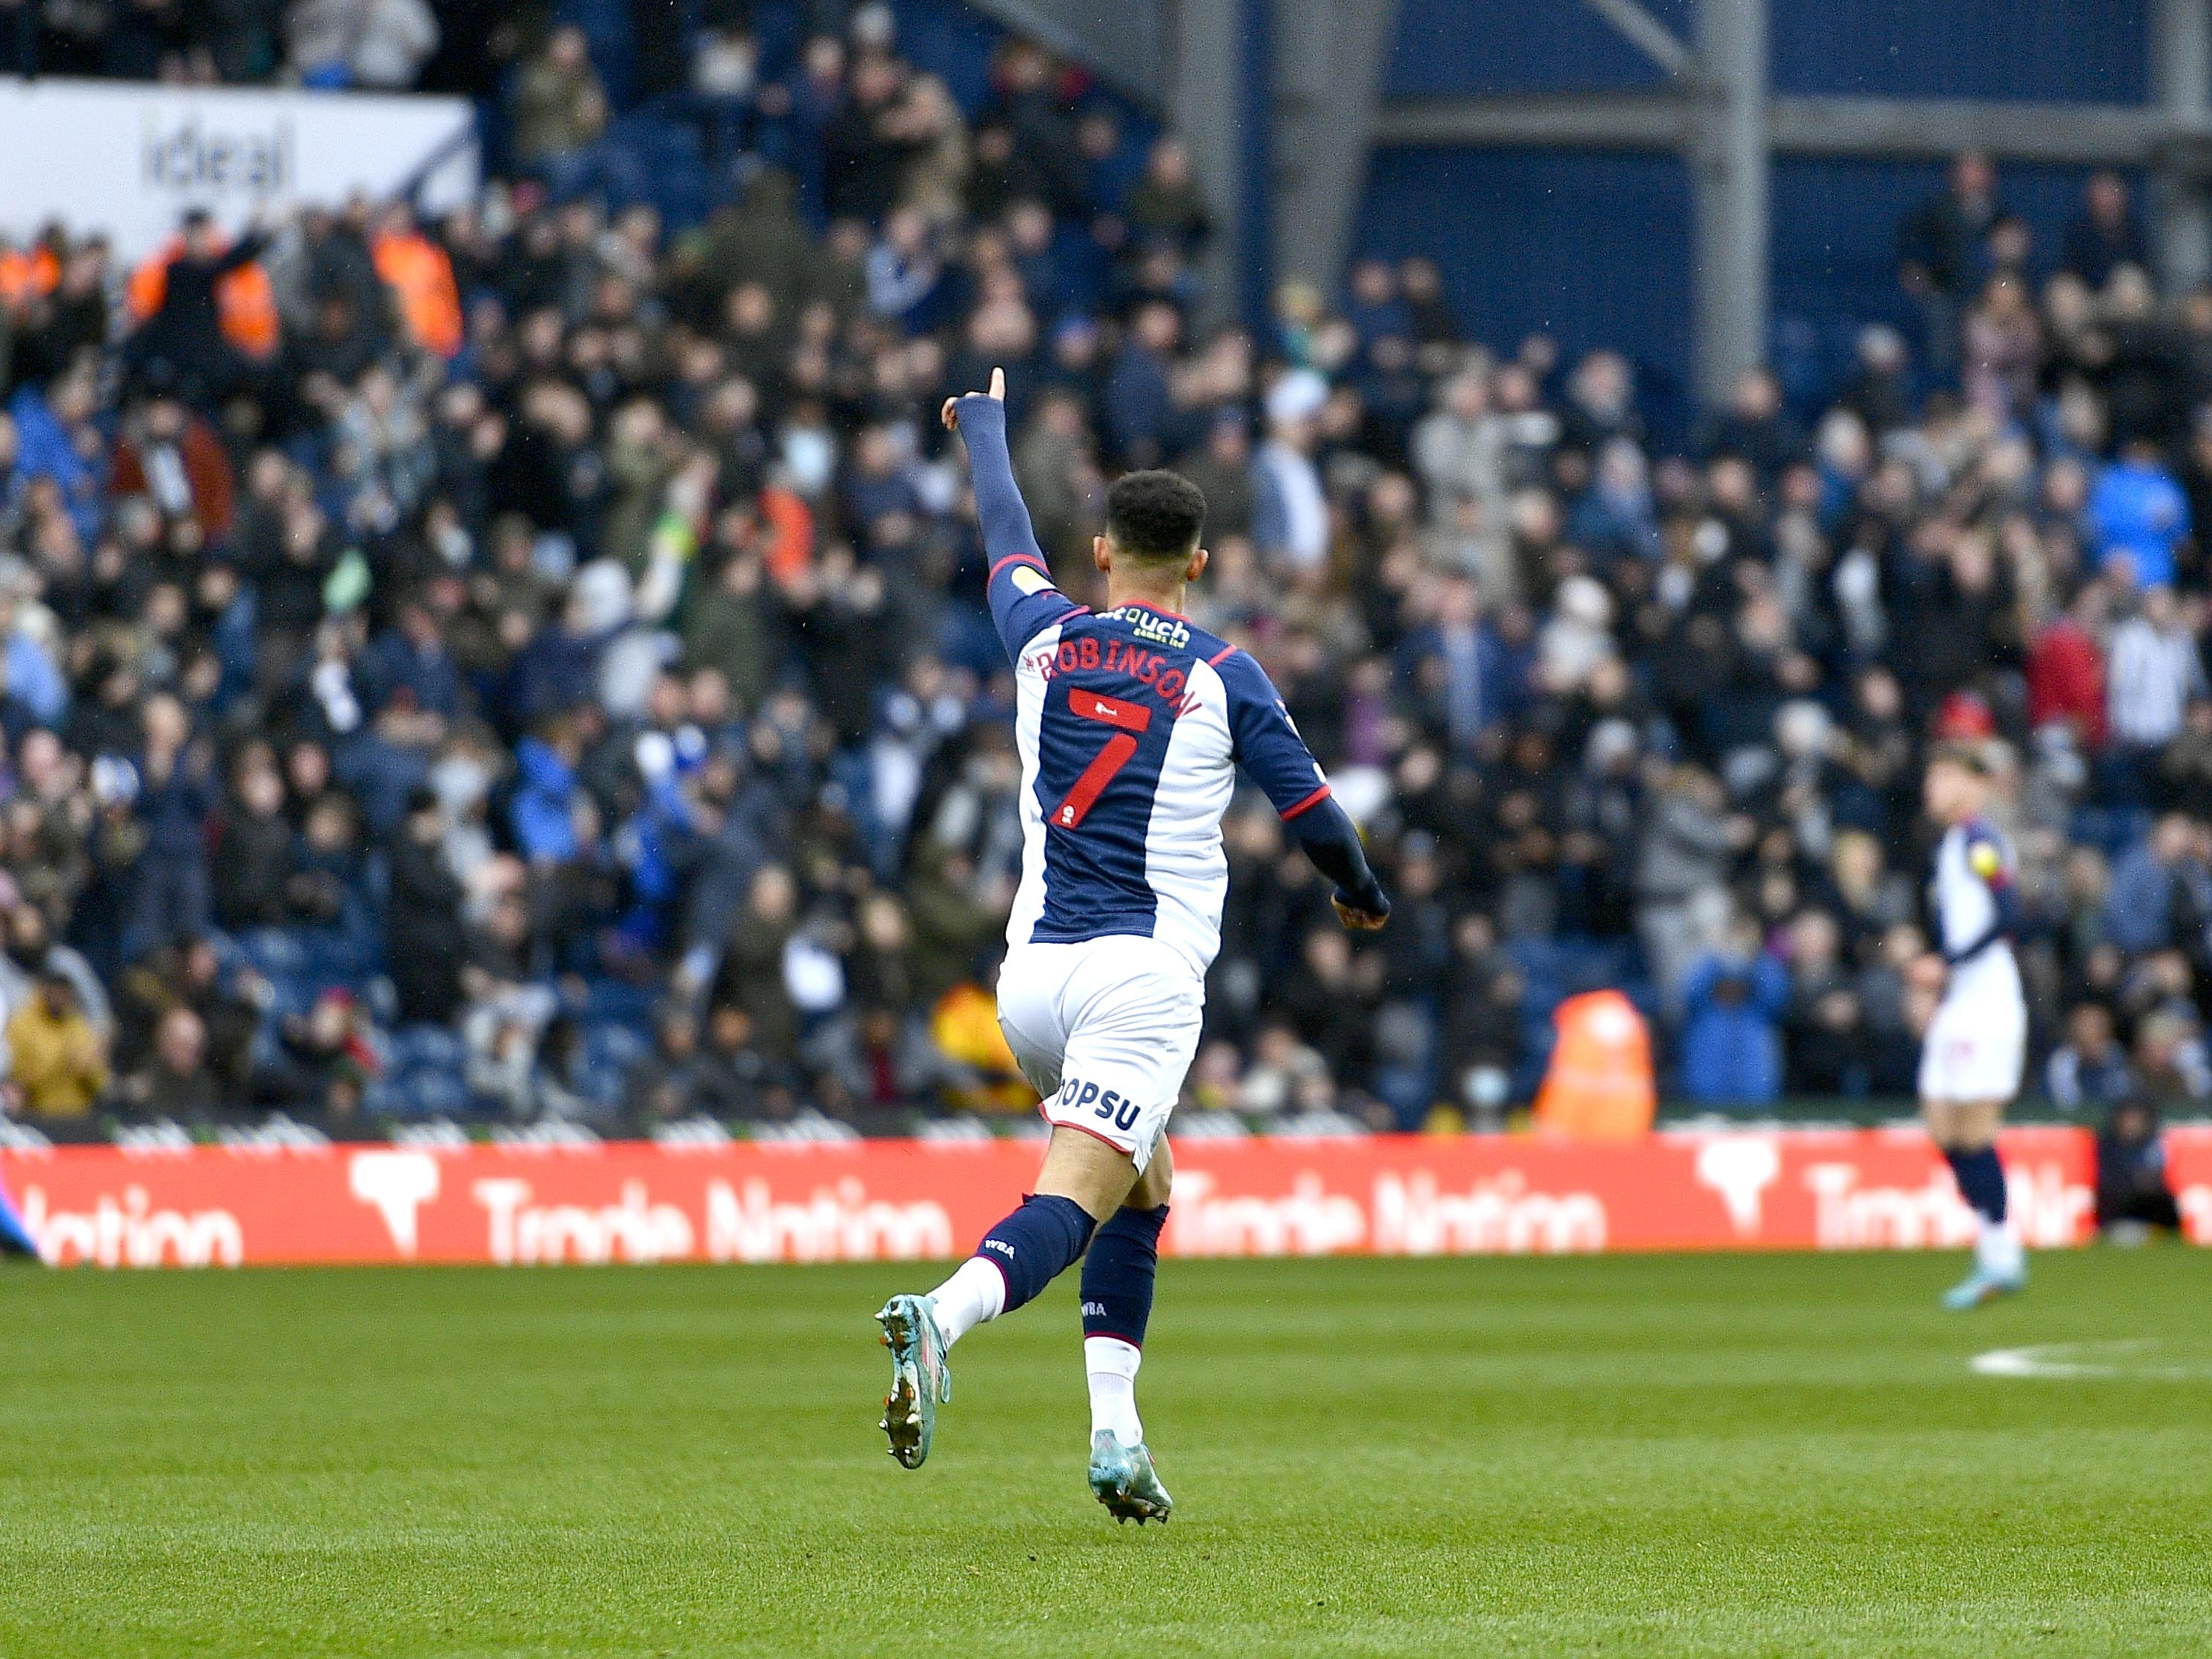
{"type": "Point", "coordinates": [1205, 97]}
{"type": "Point", "coordinates": [2087, 134]}
{"type": "Point", "coordinates": [1328, 76]}
{"type": "Point", "coordinates": [1569, 120]}
{"type": "Point", "coordinates": [2092, 134]}
{"type": "Point", "coordinates": [2181, 80]}
{"type": "Point", "coordinates": [1728, 163]}
{"type": "Point", "coordinates": [1646, 33]}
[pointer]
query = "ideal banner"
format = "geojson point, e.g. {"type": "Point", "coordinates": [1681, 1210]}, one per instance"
{"type": "Point", "coordinates": [897, 1200]}
{"type": "Point", "coordinates": [129, 160]}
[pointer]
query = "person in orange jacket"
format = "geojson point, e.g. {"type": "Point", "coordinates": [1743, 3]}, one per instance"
{"type": "Point", "coordinates": [205, 309]}
{"type": "Point", "coordinates": [1599, 1084]}
{"type": "Point", "coordinates": [29, 273]}
{"type": "Point", "coordinates": [421, 277]}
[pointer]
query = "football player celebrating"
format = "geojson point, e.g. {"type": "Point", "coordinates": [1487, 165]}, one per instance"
{"type": "Point", "coordinates": [1131, 724]}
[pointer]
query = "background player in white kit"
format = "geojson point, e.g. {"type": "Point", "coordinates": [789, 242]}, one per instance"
{"type": "Point", "coordinates": [1976, 1041]}
{"type": "Point", "coordinates": [1132, 724]}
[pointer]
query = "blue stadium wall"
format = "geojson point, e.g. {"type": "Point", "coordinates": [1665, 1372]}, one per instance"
{"type": "Point", "coordinates": [1595, 248]}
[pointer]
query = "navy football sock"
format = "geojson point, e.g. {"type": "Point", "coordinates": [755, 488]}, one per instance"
{"type": "Point", "coordinates": [1118, 1273]}
{"type": "Point", "coordinates": [1035, 1245]}
{"type": "Point", "coordinates": [1981, 1179]}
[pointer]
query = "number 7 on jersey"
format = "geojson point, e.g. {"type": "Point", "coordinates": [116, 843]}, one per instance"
{"type": "Point", "coordinates": [1126, 718]}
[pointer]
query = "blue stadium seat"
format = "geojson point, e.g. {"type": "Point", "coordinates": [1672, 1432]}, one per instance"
{"type": "Point", "coordinates": [613, 1045]}
{"type": "Point", "coordinates": [616, 1001]}
{"type": "Point", "coordinates": [272, 952]}
{"type": "Point", "coordinates": [432, 1092]}
{"type": "Point", "coordinates": [430, 1047]}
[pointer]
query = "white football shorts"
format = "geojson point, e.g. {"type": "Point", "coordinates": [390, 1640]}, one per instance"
{"type": "Point", "coordinates": [1105, 1030]}
{"type": "Point", "coordinates": [1974, 1049]}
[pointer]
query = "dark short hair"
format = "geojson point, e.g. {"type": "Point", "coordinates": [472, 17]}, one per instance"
{"type": "Point", "coordinates": [1155, 515]}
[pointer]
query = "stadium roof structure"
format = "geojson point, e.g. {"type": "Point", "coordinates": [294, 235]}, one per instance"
{"type": "Point", "coordinates": [1323, 72]}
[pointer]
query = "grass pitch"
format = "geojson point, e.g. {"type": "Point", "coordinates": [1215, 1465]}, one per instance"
{"type": "Point", "coordinates": [1729, 1455]}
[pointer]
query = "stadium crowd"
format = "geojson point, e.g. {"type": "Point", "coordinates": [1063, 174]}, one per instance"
{"type": "Point", "coordinates": [534, 664]}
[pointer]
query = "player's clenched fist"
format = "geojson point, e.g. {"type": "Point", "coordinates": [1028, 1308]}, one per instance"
{"type": "Point", "coordinates": [1359, 920]}
{"type": "Point", "coordinates": [950, 413]}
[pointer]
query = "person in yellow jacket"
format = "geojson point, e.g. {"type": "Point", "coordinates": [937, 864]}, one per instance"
{"type": "Point", "coordinates": [60, 1063]}
{"type": "Point", "coordinates": [964, 1025]}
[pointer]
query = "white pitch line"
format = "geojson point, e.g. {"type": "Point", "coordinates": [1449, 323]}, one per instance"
{"type": "Point", "coordinates": [2075, 1360]}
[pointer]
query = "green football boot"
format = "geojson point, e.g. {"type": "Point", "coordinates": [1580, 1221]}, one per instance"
{"type": "Point", "coordinates": [919, 1378]}
{"type": "Point", "coordinates": [1123, 1479]}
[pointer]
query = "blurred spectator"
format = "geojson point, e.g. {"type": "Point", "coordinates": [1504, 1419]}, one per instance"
{"type": "Point", "coordinates": [1733, 1002]}
{"type": "Point", "coordinates": [253, 841]}
{"type": "Point", "coordinates": [2133, 1193]}
{"type": "Point", "coordinates": [2156, 668]}
{"type": "Point", "coordinates": [429, 940]}
{"type": "Point", "coordinates": [33, 951]}
{"type": "Point", "coordinates": [2003, 347]}
{"type": "Point", "coordinates": [57, 1063]}
{"type": "Point", "coordinates": [2105, 233]}
{"type": "Point", "coordinates": [1285, 1075]}
{"type": "Point", "coordinates": [1878, 392]}
{"type": "Point", "coordinates": [1291, 512]}
{"type": "Point", "coordinates": [2066, 672]}
{"type": "Point", "coordinates": [1457, 670]}
{"type": "Point", "coordinates": [738, 1080]}
{"type": "Point", "coordinates": [2138, 514]}
{"type": "Point", "coordinates": [1166, 201]}
{"type": "Point", "coordinates": [325, 1060]}
{"type": "Point", "coordinates": [2089, 1068]}
{"type": "Point", "coordinates": [1829, 1044]}
{"type": "Point", "coordinates": [174, 799]}
{"type": "Point", "coordinates": [559, 106]}
{"type": "Point", "coordinates": [173, 458]}
{"type": "Point", "coordinates": [1939, 248]}
{"type": "Point", "coordinates": [1756, 426]}
{"type": "Point", "coordinates": [420, 274]}
{"type": "Point", "coordinates": [1481, 1026]}
{"type": "Point", "coordinates": [2170, 1054]}
{"type": "Point", "coordinates": [672, 1080]}
{"type": "Point", "coordinates": [206, 313]}
{"type": "Point", "coordinates": [2184, 769]}
{"type": "Point", "coordinates": [226, 1001]}
{"type": "Point", "coordinates": [2161, 888]}
{"type": "Point", "coordinates": [753, 974]}
{"type": "Point", "coordinates": [176, 1082]}
{"type": "Point", "coordinates": [378, 44]}
{"type": "Point", "coordinates": [1681, 875]}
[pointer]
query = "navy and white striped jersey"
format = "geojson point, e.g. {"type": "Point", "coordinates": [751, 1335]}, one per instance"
{"type": "Point", "coordinates": [1976, 909]}
{"type": "Point", "coordinates": [1130, 726]}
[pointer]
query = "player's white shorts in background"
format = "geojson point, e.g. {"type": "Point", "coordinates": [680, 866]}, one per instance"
{"type": "Point", "coordinates": [1974, 1049]}
{"type": "Point", "coordinates": [1105, 1030]}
